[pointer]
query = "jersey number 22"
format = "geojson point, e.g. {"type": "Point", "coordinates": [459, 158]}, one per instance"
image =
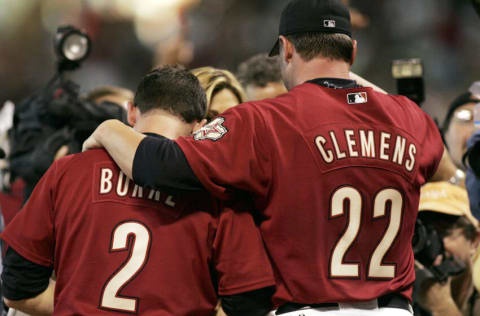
{"type": "Point", "coordinates": [339, 269]}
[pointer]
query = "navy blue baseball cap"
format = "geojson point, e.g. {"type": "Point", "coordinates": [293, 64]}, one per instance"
{"type": "Point", "coordinates": [324, 16]}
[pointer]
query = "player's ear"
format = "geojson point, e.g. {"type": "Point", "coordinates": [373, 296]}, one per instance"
{"type": "Point", "coordinates": [286, 49]}
{"type": "Point", "coordinates": [131, 113]}
{"type": "Point", "coordinates": [354, 51]}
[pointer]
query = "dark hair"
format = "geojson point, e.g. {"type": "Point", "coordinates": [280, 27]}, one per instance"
{"type": "Point", "coordinates": [259, 70]}
{"type": "Point", "coordinates": [330, 45]}
{"type": "Point", "coordinates": [173, 89]}
{"type": "Point", "coordinates": [445, 223]}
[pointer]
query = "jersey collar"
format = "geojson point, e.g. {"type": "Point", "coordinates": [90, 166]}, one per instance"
{"type": "Point", "coordinates": [335, 83]}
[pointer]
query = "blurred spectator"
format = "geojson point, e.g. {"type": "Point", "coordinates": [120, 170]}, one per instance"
{"type": "Point", "coordinates": [473, 187]}
{"type": "Point", "coordinates": [222, 88]}
{"type": "Point", "coordinates": [6, 122]}
{"type": "Point", "coordinates": [261, 77]}
{"type": "Point", "coordinates": [359, 20]}
{"type": "Point", "coordinates": [444, 207]}
{"type": "Point", "coordinates": [12, 201]}
{"type": "Point", "coordinates": [112, 94]}
{"type": "Point", "coordinates": [472, 162]}
{"type": "Point", "coordinates": [108, 96]}
{"type": "Point", "coordinates": [458, 126]}
{"type": "Point", "coordinates": [11, 194]}
{"type": "Point", "coordinates": [53, 123]}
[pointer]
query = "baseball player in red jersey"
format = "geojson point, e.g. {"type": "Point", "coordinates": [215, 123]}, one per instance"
{"type": "Point", "coordinates": [335, 170]}
{"type": "Point", "coordinates": [116, 247]}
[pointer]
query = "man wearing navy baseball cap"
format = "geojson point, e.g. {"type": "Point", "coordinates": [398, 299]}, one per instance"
{"type": "Point", "coordinates": [334, 169]}
{"type": "Point", "coordinates": [302, 16]}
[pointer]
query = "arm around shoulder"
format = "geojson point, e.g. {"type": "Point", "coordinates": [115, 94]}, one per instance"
{"type": "Point", "coordinates": [121, 142]}
{"type": "Point", "coordinates": [364, 82]}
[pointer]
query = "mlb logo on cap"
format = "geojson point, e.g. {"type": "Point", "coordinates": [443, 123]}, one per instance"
{"type": "Point", "coordinates": [356, 98]}
{"type": "Point", "coordinates": [328, 23]}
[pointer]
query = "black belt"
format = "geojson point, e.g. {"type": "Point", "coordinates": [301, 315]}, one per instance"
{"type": "Point", "coordinates": [389, 300]}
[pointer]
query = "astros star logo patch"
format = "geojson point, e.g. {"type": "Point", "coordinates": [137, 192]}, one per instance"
{"type": "Point", "coordinates": [213, 130]}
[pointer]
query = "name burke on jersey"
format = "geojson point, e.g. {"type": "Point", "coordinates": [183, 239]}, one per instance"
{"type": "Point", "coordinates": [119, 184]}
{"type": "Point", "coordinates": [364, 143]}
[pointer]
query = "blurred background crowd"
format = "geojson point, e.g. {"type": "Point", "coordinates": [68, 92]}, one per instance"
{"type": "Point", "coordinates": [130, 37]}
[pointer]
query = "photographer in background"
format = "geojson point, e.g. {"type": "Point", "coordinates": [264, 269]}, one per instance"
{"type": "Point", "coordinates": [104, 96]}
{"type": "Point", "coordinates": [56, 120]}
{"type": "Point", "coordinates": [472, 183]}
{"type": "Point", "coordinates": [11, 194]}
{"type": "Point", "coordinates": [112, 94]}
{"type": "Point", "coordinates": [444, 208]}
{"type": "Point", "coordinates": [48, 128]}
{"type": "Point", "coordinates": [38, 141]}
{"type": "Point", "coordinates": [458, 127]}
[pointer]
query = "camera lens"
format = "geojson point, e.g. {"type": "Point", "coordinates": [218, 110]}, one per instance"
{"type": "Point", "coordinates": [72, 47]}
{"type": "Point", "coordinates": [75, 47]}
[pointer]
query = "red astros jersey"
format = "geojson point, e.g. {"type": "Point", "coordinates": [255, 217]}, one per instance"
{"type": "Point", "coordinates": [117, 247]}
{"type": "Point", "coordinates": [336, 174]}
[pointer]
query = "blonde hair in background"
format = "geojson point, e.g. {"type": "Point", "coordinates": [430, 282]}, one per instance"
{"type": "Point", "coordinates": [214, 80]}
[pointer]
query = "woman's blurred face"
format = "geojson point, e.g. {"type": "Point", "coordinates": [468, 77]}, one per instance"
{"type": "Point", "coordinates": [223, 100]}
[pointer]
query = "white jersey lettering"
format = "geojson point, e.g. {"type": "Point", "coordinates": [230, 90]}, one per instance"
{"type": "Point", "coordinates": [106, 181]}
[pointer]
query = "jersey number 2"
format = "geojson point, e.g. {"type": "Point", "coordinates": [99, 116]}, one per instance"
{"type": "Point", "coordinates": [139, 246]}
{"type": "Point", "coordinates": [376, 269]}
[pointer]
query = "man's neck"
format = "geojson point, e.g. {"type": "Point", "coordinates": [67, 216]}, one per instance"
{"type": "Point", "coordinates": [163, 123]}
{"type": "Point", "coordinates": [320, 68]}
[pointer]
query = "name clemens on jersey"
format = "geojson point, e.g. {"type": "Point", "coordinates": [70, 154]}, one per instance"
{"type": "Point", "coordinates": [125, 187]}
{"type": "Point", "coordinates": [364, 143]}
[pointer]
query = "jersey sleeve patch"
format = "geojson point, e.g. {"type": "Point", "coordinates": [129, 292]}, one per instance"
{"type": "Point", "coordinates": [213, 130]}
